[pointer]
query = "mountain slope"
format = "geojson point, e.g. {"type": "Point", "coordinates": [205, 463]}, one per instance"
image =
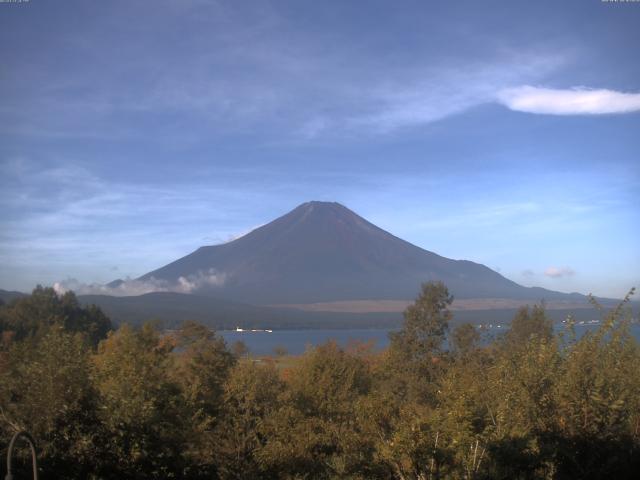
{"type": "Point", "coordinates": [322, 252]}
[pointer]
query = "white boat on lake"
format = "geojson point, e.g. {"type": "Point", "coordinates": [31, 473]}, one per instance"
{"type": "Point", "coordinates": [254, 330]}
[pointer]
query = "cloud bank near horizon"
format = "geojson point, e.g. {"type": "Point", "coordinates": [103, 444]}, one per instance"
{"type": "Point", "coordinates": [559, 272]}
{"type": "Point", "coordinates": [132, 287]}
{"type": "Point", "coordinates": [573, 101]}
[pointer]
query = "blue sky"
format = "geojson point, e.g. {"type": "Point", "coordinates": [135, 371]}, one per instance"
{"type": "Point", "coordinates": [506, 133]}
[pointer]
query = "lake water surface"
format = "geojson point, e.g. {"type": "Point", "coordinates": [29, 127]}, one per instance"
{"type": "Point", "coordinates": [297, 341]}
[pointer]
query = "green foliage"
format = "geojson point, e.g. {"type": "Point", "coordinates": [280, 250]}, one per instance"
{"type": "Point", "coordinates": [252, 397]}
{"type": "Point", "coordinates": [415, 357]}
{"type": "Point", "coordinates": [201, 369]}
{"type": "Point", "coordinates": [529, 324]}
{"type": "Point", "coordinates": [45, 388]}
{"type": "Point", "coordinates": [599, 401]}
{"type": "Point", "coordinates": [465, 339]}
{"type": "Point", "coordinates": [316, 433]}
{"type": "Point", "coordinates": [426, 322]}
{"type": "Point", "coordinates": [181, 405]}
{"type": "Point", "coordinates": [141, 408]}
{"type": "Point", "coordinates": [44, 308]}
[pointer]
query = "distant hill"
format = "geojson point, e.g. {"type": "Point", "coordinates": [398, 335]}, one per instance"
{"type": "Point", "coordinates": [7, 296]}
{"type": "Point", "coordinates": [324, 252]}
{"type": "Point", "coordinates": [171, 309]}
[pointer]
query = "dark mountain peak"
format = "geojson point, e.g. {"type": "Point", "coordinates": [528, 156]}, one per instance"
{"type": "Point", "coordinates": [322, 251]}
{"type": "Point", "coordinates": [319, 205]}
{"type": "Point", "coordinates": [315, 211]}
{"type": "Point", "coordinates": [309, 228]}
{"type": "Point", "coordinates": [316, 207]}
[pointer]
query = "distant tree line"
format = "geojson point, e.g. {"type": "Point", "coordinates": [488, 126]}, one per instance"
{"type": "Point", "coordinates": [139, 403]}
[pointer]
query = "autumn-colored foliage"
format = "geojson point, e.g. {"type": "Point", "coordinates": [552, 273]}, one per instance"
{"type": "Point", "coordinates": [141, 403]}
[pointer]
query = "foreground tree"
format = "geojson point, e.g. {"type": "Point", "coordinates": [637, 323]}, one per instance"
{"type": "Point", "coordinates": [44, 308]}
{"type": "Point", "coordinates": [252, 397]}
{"type": "Point", "coordinates": [399, 413]}
{"type": "Point", "coordinates": [201, 367]}
{"type": "Point", "coordinates": [598, 417]}
{"type": "Point", "coordinates": [316, 432]}
{"type": "Point", "coordinates": [141, 408]}
{"type": "Point", "coordinates": [45, 388]}
{"type": "Point", "coordinates": [415, 357]}
{"type": "Point", "coordinates": [426, 323]}
{"type": "Point", "coordinates": [465, 339]}
{"type": "Point", "coordinates": [529, 324]}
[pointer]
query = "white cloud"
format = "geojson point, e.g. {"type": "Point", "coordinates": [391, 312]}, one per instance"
{"type": "Point", "coordinates": [444, 91]}
{"type": "Point", "coordinates": [559, 272]}
{"type": "Point", "coordinates": [296, 90]}
{"type": "Point", "coordinates": [130, 287]}
{"type": "Point", "coordinates": [574, 101]}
